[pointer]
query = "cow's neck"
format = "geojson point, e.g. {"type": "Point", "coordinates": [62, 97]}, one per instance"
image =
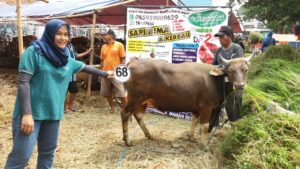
{"type": "Point", "coordinates": [227, 89]}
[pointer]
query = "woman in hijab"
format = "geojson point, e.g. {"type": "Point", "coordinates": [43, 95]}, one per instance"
{"type": "Point", "coordinates": [44, 74]}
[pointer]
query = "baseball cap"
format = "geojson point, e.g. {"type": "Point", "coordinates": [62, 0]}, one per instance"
{"type": "Point", "coordinates": [225, 30]}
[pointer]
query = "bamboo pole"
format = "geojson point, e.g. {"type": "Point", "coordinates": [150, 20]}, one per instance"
{"type": "Point", "coordinates": [92, 53]}
{"type": "Point", "coordinates": [19, 27]}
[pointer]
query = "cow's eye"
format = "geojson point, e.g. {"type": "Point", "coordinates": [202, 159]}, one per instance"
{"type": "Point", "coordinates": [245, 70]}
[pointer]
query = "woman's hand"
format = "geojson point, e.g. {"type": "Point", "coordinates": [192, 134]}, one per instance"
{"type": "Point", "coordinates": [27, 126]}
{"type": "Point", "coordinates": [110, 74]}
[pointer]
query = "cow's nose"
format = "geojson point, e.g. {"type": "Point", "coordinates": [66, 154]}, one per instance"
{"type": "Point", "coordinates": [240, 85]}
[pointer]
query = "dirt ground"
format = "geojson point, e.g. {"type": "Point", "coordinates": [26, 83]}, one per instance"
{"type": "Point", "coordinates": [92, 138]}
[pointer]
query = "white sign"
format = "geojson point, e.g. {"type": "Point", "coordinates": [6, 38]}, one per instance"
{"type": "Point", "coordinates": [122, 73]}
{"type": "Point", "coordinates": [175, 35]}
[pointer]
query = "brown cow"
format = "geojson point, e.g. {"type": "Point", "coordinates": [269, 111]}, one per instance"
{"type": "Point", "coordinates": [193, 87]}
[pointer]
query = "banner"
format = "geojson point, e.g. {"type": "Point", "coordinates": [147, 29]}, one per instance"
{"type": "Point", "coordinates": [175, 35]}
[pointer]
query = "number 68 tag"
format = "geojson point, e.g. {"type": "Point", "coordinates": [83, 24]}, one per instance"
{"type": "Point", "coordinates": [122, 73]}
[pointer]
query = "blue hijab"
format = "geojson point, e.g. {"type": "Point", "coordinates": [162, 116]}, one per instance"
{"type": "Point", "coordinates": [269, 39]}
{"type": "Point", "coordinates": [46, 45]}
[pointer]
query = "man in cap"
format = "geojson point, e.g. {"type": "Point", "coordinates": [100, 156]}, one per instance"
{"type": "Point", "coordinates": [112, 54]}
{"type": "Point", "coordinates": [228, 50]}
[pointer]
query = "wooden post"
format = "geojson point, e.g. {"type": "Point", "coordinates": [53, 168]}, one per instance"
{"type": "Point", "coordinates": [92, 54]}
{"type": "Point", "coordinates": [19, 27]}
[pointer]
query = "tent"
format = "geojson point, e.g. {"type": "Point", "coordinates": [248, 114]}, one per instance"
{"type": "Point", "coordinates": [234, 23]}
{"type": "Point", "coordinates": [79, 12]}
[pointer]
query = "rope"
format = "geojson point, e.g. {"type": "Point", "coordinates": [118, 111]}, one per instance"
{"type": "Point", "coordinates": [212, 133]}
{"type": "Point", "coordinates": [116, 100]}
{"type": "Point", "coordinates": [219, 126]}
{"type": "Point", "coordinates": [165, 152]}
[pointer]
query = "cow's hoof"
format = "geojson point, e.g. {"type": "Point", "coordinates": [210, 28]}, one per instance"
{"type": "Point", "coordinates": [192, 139]}
{"type": "Point", "coordinates": [128, 144]}
{"type": "Point", "coordinates": [151, 138]}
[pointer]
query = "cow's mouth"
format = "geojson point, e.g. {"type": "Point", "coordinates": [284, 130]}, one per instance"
{"type": "Point", "coordinates": [239, 86]}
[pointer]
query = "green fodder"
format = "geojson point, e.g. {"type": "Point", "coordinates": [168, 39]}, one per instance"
{"type": "Point", "coordinates": [264, 141]}
{"type": "Point", "coordinates": [282, 87]}
{"type": "Point", "coordinates": [274, 77]}
{"type": "Point", "coordinates": [284, 52]}
{"type": "Point", "coordinates": [261, 139]}
{"type": "Point", "coordinates": [275, 58]}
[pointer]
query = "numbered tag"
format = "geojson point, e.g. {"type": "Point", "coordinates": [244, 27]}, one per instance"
{"type": "Point", "coordinates": [122, 73]}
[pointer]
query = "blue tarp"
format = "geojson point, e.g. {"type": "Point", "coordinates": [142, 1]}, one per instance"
{"type": "Point", "coordinates": [295, 44]}
{"type": "Point", "coordinates": [56, 8]}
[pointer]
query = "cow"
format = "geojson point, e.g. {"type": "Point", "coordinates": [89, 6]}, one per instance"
{"type": "Point", "coordinates": [192, 87]}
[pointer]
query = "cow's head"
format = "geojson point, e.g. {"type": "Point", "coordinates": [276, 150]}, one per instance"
{"type": "Point", "coordinates": [235, 69]}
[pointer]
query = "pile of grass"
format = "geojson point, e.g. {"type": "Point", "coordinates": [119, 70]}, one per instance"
{"type": "Point", "coordinates": [261, 139]}
{"type": "Point", "coordinates": [264, 141]}
{"type": "Point", "coordinates": [274, 76]}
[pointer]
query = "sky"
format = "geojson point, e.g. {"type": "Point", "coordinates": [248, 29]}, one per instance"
{"type": "Point", "coordinates": [205, 2]}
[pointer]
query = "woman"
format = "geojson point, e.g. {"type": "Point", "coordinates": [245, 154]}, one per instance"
{"type": "Point", "coordinates": [44, 74]}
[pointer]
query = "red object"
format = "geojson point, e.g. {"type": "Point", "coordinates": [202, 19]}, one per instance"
{"type": "Point", "coordinates": [205, 54]}
{"type": "Point", "coordinates": [211, 46]}
{"type": "Point", "coordinates": [234, 23]}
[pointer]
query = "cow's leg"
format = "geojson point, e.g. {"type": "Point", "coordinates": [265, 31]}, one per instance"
{"type": "Point", "coordinates": [204, 121]}
{"type": "Point", "coordinates": [195, 120]}
{"type": "Point", "coordinates": [139, 114]}
{"type": "Point", "coordinates": [125, 117]}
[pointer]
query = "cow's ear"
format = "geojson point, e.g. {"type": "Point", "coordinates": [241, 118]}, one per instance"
{"type": "Point", "coordinates": [217, 71]}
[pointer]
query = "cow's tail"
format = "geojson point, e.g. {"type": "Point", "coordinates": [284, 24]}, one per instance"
{"type": "Point", "coordinates": [132, 59]}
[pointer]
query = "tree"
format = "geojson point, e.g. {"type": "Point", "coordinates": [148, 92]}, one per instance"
{"type": "Point", "coordinates": [255, 37]}
{"type": "Point", "coordinates": [275, 14]}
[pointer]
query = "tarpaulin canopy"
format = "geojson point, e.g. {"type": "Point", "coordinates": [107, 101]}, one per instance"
{"type": "Point", "coordinates": [56, 8]}
{"type": "Point", "coordinates": [234, 23]}
{"type": "Point", "coordinates": [78, 12]}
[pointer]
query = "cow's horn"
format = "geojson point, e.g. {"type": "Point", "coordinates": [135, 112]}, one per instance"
{"type": "Point", "coordinates": [224, 60]}
{"type": "Point", "coordinates": [248, 59]}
